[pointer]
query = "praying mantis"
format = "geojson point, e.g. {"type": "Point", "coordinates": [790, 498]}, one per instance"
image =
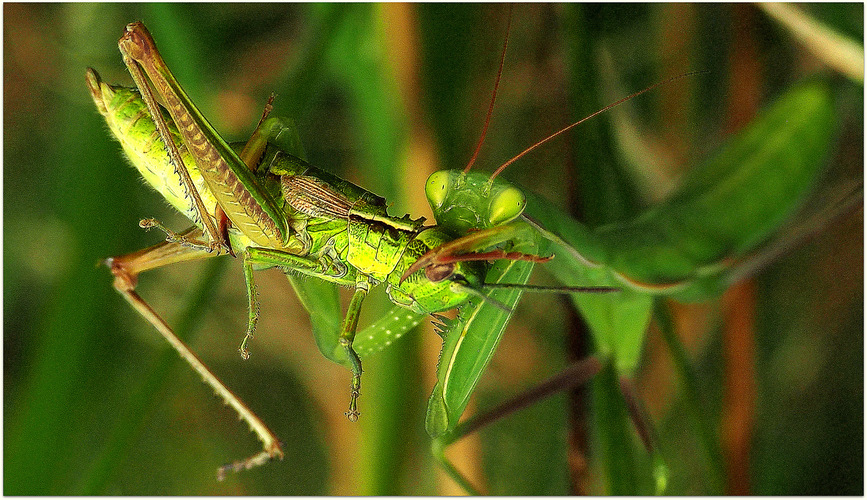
{"type": "Point", "coordinates": [550, 224]}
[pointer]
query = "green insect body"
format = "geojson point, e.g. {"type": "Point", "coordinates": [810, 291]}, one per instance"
{"type": "Point", "coordinates": [682, 248]}
{"type": "Point", "coordinates": [484, 207]}
{"type": "Point", "coordinates": [337, 231]}
{"type": "Point", "coordinates": [343, 234]}
{"type": "Point", "coordinates": [130, 123]}
{"type": "Point", "coordinates": [328, 228]}
{"type": "Point", "coordinates": [375, 245]}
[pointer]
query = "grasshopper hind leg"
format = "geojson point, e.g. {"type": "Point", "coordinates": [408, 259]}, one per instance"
{"type": "Point", "coordinates": [126, 269]}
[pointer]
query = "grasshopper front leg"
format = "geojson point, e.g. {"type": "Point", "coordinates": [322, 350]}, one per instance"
{"type": "Point", "coordinates": [264, 258]}
{"type": "Point", "coordinates": [347, 335]}
{"type": "Point", "coordinates": [126, 269]}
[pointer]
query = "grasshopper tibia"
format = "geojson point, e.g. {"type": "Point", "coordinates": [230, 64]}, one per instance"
{"type": "Point", "coordinates": [125, 269]}
{"type": "Point", "coordinates": [260, 458]}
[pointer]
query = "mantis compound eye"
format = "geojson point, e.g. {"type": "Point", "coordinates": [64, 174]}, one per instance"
{"type": "Point", "coordinates": [437, 187]}
{"type": "Point", "coordinates": [507, 205]}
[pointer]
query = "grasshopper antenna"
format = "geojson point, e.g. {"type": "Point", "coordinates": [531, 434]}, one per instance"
{"type": "Point", "coordinates": [530, 288]}
{"type": "Point", "coordinates": [606, 108]}
{"type": "Point", "coordinates": [485, 298]}
{"type": "Point", "coordinates": [494, 96]}
{"type": "Point", "coordinates": [554, 289]}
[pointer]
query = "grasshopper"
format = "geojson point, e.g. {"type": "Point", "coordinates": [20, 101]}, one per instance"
{"type": "Point", "coordinates": [274, 210]}
{"type": "Point", "coordinates": [290, 220]}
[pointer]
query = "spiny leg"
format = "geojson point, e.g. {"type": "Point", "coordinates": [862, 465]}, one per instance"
{"type": "Point", "coordinates": [263, 258]}
{"type": "Point", "coordinates": [125, 269]}
{"type": "Point", "coordinates": [253, 305]}
{"type": "Point", "coordinates": [250, 155]}
{"type": "Point", "coordinates": [347, 335]}
{"type": "Point", "coordinates": [252, 209]}
{"type": "Point", "coordinates": [186, 238]}
{"type": "Point", "coordinates": [256, 259]}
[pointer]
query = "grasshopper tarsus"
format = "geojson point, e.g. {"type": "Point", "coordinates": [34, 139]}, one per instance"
{"type": "Point", "coordinates": [353, 413]}
{"type": "Point", "coordinates": [172, 237]}
{"type": "Point", "coordinates": [263, 457]}
{"type": "Point", "coordinates": [245, 353]}
{"type": "Point", "coordinates": [148, 224]}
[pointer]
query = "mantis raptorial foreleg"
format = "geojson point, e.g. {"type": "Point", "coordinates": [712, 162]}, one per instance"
{"type": "Point", "coordinates": [125, 269]}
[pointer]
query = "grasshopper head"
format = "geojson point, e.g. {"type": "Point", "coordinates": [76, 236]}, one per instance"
{"type": "Point", "coordinates": [434, 288]}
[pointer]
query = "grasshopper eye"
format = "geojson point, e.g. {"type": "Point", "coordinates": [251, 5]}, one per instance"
{"type": "Point", "coordinates": [438, 272]}
{"type": "Point", "coordinates": [506, 205]}
{"type": "Point", "coordinates": [436, 188]}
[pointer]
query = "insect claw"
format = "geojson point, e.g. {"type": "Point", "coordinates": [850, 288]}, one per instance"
{"type": "Point", "coordinates": [220, 247]}
{"type": "Point", "coordinates": [245, 353]}
{"type": "Point", "coordinates": [147, 224]}
{"type": "Point", "coordinates": [353, 414]}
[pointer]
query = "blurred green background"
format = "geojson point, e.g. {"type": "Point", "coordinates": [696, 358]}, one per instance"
{"type": "Point", "coordinates": [95, 403]}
